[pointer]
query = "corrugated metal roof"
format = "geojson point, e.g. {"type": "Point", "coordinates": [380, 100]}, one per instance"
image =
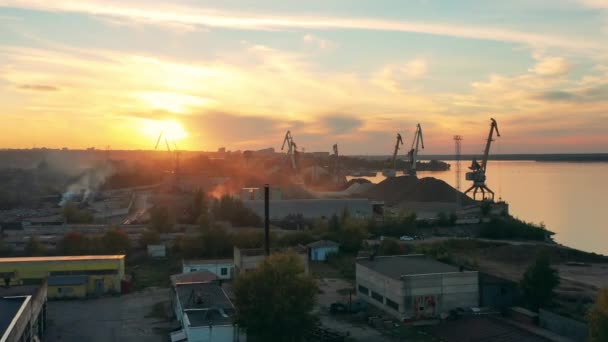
{"type": "Point", "coordinates": [67, 280]}
{"type": "Point", "coordinates": [63, 258]}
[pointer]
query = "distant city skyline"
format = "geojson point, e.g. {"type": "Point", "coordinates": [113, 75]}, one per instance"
{"type": "Point", "coordinates": [239, 74]}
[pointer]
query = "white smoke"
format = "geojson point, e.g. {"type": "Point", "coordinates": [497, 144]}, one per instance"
{"type": "Point", "coordinates": [87, 184]}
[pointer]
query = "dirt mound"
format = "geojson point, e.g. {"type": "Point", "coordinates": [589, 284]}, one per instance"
{"type": "Point", "coordinates": [356, 181]}
{"type": "Point", "coordinates": [411, 189]}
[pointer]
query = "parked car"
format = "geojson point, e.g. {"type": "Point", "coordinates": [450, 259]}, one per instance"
{"type": "Point", "coordinates": [406, 238]}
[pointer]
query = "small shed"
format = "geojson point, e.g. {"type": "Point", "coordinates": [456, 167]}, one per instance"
{"type": "Point", "coordinates": [67, 286]}
{"type": "Point", "coordinates": [319, 250]}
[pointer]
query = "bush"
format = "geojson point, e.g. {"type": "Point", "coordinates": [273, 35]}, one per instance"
{"type": "Point", "coordinates": [73, 214]}
{"type": "Point", "coordinates": [233, 210]}
{"type": "Point", "coordinates": [512, 228]}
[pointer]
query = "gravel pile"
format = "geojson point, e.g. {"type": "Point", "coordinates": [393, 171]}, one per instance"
{"type": "Point", "coordinates": [411, 189]}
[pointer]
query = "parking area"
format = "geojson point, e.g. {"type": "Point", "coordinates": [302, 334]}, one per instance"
{"type": "Point", "coordinates": [140, 316]}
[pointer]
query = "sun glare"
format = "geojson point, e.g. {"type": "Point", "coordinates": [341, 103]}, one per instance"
{"type": "Point", "coordinates": [171, 129]}
{"type": "Point", "coordinates": [171, 102]}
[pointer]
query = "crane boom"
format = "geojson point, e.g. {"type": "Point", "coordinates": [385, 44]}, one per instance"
{"type": "Point", "coordinates": [486, 153]}
{"type": "Point", "coordinates": [397, 143]}
{"type": "Point", "coordinates": [417, 142]}
{"type": "Point", "coordinates": [291, 148]}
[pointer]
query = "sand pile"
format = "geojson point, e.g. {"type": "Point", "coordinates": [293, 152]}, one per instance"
{"type": "Point", "coordinates": [411, 189]}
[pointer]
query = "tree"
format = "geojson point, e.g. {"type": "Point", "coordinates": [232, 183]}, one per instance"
{"type": "Point", "coordinates": [598, 317]}
{"type": "Point", "coordinates": [73, 214]}
{"type": "Point", "coordinates": [160, 220]}
{"type": "Point", "coordinates": [216, 242]}
{"type": "Point", "coordinates": [539, 282]}
{"type": "Point", "coordinates": [34, 247]}
{"type": "Point", "coordinates": [389, 247]}
{"type": "Point", "coordinates": [116, 241]}
{"type": "Point", "coordinates": [352, 235]}
{"type": "Point", "coordinates": [73, 243]}
{"type": "Point", "coordinates": [276, 313]}
{"type": "Point", "coordinates": [149, 237]}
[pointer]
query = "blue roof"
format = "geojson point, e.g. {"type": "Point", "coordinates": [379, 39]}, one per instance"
{"type": "Point", "coordinates": [67, 280]}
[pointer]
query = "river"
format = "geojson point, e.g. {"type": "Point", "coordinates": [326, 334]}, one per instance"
{"type": "Point", "coordinates": [569, 198]}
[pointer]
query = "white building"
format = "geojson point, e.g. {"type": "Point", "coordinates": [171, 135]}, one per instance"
{"type": "Point", "coordinates": [319, 250]}
{"type": "Point", "coordinates": [205, 314]}
{"type": "Point", "coordinates": [222, 268]}
{"type": "Point", "coordinates": [415, 286]}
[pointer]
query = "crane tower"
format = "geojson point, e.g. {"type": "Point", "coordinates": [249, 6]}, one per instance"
{"type": "Point", "coordinates": [413, 153]}
{"type": "Point", "coordinates": [478, 170]}
{"type": "Point", "coordinates": [393, 172]}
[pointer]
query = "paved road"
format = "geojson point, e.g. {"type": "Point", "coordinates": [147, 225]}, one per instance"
{"type": "Point", "coordinates": [107, 319]}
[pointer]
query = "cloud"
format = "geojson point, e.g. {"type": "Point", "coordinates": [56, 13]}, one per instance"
{"type": "Point", "coordinates": [341, 124]}
{"type": "Point", "coordinates": [321, 43]}
{"type": "Point", "coordinates": [551, 66]}
{"type": "Point", "coordinates": [595, 3]}
{"type": "Point", "coordinates": [163, 13]}
{"type": "Point", "coordinates": [584, 95]}
{"type": "Point", "coordinates": [395, 77]}
{"type": "Point", "coordinates": [38, 87]}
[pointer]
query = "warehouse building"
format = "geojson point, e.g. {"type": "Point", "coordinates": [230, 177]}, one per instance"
{"type": "Point", "coordinates": [68, 276]}
{"type": "Point", "coordinates": [23, 313]}
{"type": "Point", "coordinates": [313, 208]}
{"type": "Point", "coordinates": [222, 268]}
{"type": "Point", "coordinates": [415, 286]}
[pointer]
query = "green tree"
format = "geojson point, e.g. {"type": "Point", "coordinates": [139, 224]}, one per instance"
{"type": "Point", "coordinates": [34, 247]}
{"type": "Point", "coordinates": [334, 223]}
{"type": "Point", "coordinates": [116, 241]}
{"type": "Point", "coordinates": [598, 317]}
{"type": "Point", "coordinates": [389, 247]}
{"type": "Point", "coordinates": [73, 243]}
{"type": "Point", "coordinates": [539, 282]}
{"type": "Point", "coordinates": [73, 214]}
{"type": "Point", "coordinates": [276, 313]}
{"type": "Point", "coordinates": [160, 219]}
{"type": "Point", "coordinates": [149, 237]}
{"type": "Point", "coordinates": [216, 242]}
{"type": "Point", "coordinates": [352, 235]}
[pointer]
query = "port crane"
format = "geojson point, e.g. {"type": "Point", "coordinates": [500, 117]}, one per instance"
{"type": "Point", "coordinates": [478, 170]}
{"type": "Point", "coordinates": [291, 148]}
{"type": "Point", "coordinates": [176, 153]}
{"type": "Point", "coordinates": [413, 153]}
{"type": "Point", "coordinates": [336, 159]}
{"type": "Point", "coordinates": [392, 172]}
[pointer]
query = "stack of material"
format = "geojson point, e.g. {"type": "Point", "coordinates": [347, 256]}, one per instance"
{"type": "Point", "coordinates": [395, 190]}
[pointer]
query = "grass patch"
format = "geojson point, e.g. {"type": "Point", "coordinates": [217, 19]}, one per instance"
{"type": "Point", "coordinates": [152, 273]}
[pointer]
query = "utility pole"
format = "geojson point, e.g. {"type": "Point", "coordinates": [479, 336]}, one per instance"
{"type": "Point", "coordinates": [457, 142]}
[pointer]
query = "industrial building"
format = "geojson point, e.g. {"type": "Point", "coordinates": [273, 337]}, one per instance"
{"type": "Point", "coordinates": [313, 208]}
{"type": "Point", "coordinates": [415, 286]}
{"type": "Point", "coordinates": [68, 276]}
{"type": "Point", "coordinates": [319, 250]}
{"type": "Point", "coordinates": [246, 260]}
{"type": "Point", "coordinates": [23, 313]}
{"type": "Point", "coordinates": [204, 312]}
{"type": "Point", "coordinates": [222, 268]}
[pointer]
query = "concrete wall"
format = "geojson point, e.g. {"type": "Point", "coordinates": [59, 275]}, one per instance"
{"type": "Point", "coordinates": [563, 326]}
{"type": "Point", "coordinates": [32, 318]}
{"type": "Point", "coordinates": [320, 254]}
{"type": "Point", "coordinates": [215, 268]}
{"type": "Point", "coordinates": [67, 291]}
{"type": "Point", "coordinates": [420, 296]}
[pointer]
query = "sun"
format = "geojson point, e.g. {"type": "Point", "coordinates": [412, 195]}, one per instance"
{"type": "Point", "coordinates": [172, 130]}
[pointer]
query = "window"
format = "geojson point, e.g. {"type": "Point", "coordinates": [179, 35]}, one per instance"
{"type": "Point", "coordinates": [224, 271]}
{"type": "Point", "coordinates": [377, 297]}
{"type": "Point", "coordinates": [392, 304]}
{"type": "Point", "coordinates": [363, 290]}
{"type": "Point", "coordinates": [193, 270]}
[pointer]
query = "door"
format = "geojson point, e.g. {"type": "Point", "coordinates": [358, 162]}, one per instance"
{"type": "Point", "coordinates": [99, 290]}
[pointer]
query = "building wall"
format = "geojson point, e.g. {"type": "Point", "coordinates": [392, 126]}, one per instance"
{"type": "Point", "coordinates": [215, 268]}
{"type": "Point", "coordinates": [418, 296]}
{"type": "Point", "coordinates": [28, 271]}
{"type": "Point", "coordinates": [67, 291]}
{"type": "Point", "coordinates": [320, 254]}
{"type": "Point", "coordinates": [32, 320]}
{"type": "Point", "coordinates": [217, 333]}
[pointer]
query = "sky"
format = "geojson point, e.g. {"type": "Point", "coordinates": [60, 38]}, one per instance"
{"type": "Point", "coordinates": [239, 74]}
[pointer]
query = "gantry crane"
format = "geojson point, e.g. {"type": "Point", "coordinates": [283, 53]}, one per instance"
{"type": "Point", "coordinates": [336, 160]}
{"type": "Point", "coordinates": [176, 152]}
{"type": "Point", "coordinates": [393, 172]}
{"type": "Point", "coordinates": [291, 149]}
{"type": "Point", "coordinates": [478, 171]}
{"type": "Point", "coordinates": [413, 153]}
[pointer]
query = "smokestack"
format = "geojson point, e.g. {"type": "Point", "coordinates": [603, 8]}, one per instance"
{"type": "Point", "coordinates": [267, 219]}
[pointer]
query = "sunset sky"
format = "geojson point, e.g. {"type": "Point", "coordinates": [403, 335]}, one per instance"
{"type": "Point", "coordinates": [83, 73]}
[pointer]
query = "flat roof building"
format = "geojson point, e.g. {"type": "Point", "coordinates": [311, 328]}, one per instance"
{"type": "Point", "coordinates": [415, 286]}
{"type": "Point", "coordinates": [247, 259]}
{"type": "Point", "coordinates": [68, 276]}
{"type": "Point", "coordinates": [23, 313]}
{"type": "Point", "coordinates": [222, 268]}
